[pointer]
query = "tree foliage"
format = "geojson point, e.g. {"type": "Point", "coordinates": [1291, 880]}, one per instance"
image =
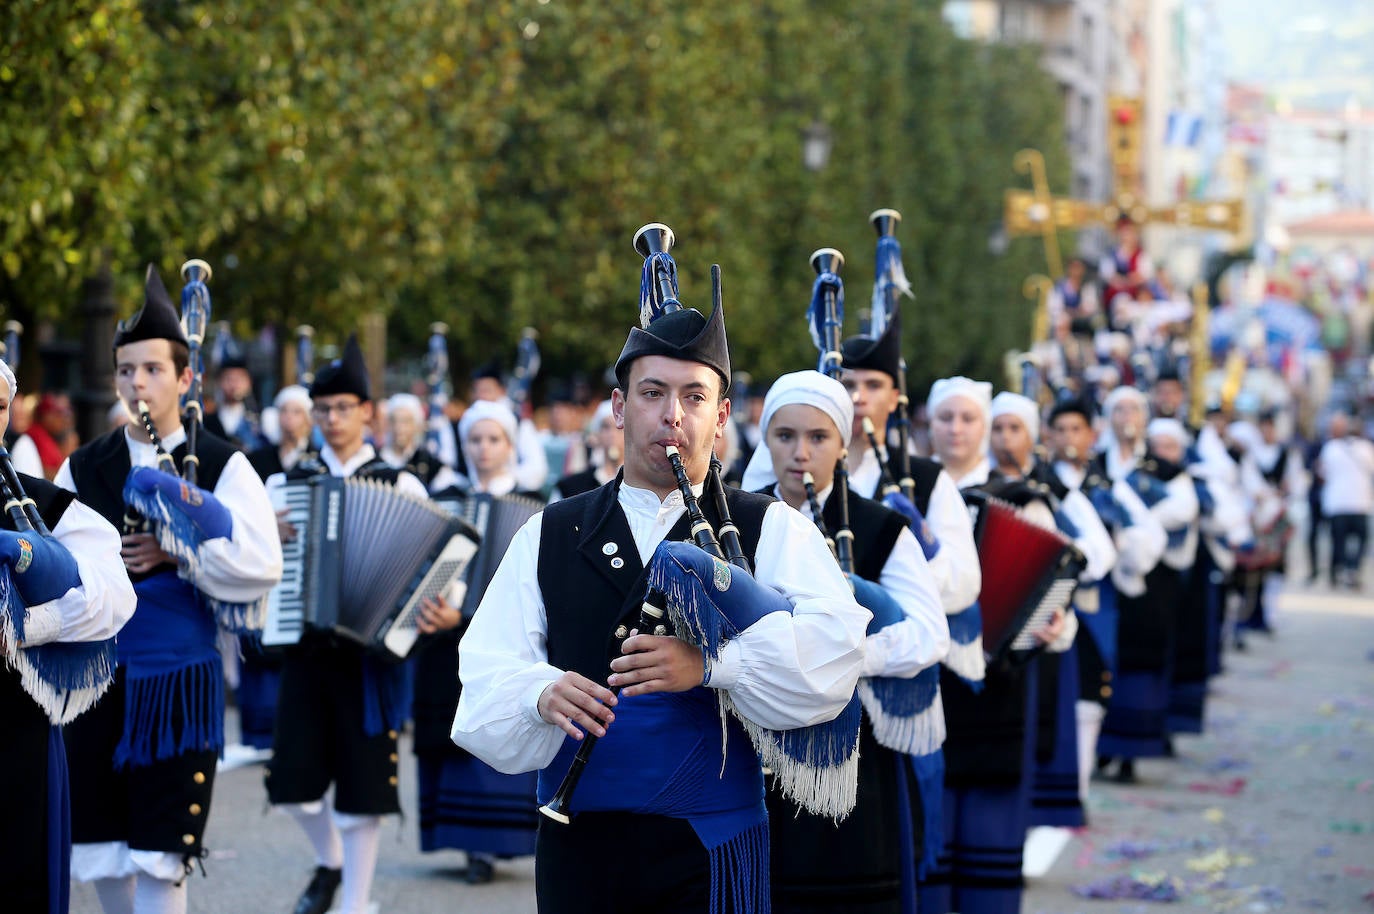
{"type": "Point", "coordinates": [486, 163]}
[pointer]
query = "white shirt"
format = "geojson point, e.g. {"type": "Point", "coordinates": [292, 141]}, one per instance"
{"type": "Point", "coordinates": [103, 601]}
{"type": "Point", "coordinates": [785, 671]}
{"type": "Point", "coordinates": [24, 456]}
{"type": "Point", "coordinates": [921, 639]}
{"type": "Point", "coordinates": [405, 482]}
{"type": "Point", "coordinates": [955, 567]}
{"type": "Point", "coordinates": [1139, 546]}
{"type": "Point", "coordinates": [531, 464]}
{"type": "Point", "coordinates": [1347, 469]}
{"type": "Point", "coordinates": [244, 566]}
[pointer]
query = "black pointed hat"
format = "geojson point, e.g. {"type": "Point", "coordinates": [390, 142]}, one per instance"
{"type": "Point", "coordinates": [685, 335]}
{"type": "Point", "coordinates": [490, 369]}
{"type": "Point", "coordinates": [1169, 373]}
{"type": "Point", "coordinates": [882, 354]}
{"type": "Point", "coordinates": [158, 319]}
{"type": "Point", "coordinates": [345, 375]}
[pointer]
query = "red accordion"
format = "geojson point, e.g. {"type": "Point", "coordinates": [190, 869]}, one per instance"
{"type": "Point", "coordinates": [1028, 572]}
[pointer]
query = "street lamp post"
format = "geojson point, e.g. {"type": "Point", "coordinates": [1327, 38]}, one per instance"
{"type": "Point", "coordinates": [96, 394]}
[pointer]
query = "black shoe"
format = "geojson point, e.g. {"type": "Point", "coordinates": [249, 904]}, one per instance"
{"type": "Point", "coordinates": [319, 895]}
{"type": "Point", "coordinates": [1126, 773]}
{"type": "Point", "coordinates": [480, 871]}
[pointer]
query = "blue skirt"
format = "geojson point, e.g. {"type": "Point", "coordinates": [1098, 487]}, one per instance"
{"type": "Point", "coordinates": [1136, 725]}
{"type": "Point", "coordinates": [979, 869]}
{"type": "Point", "coordinates": [1054, 792]}
{"type": "Point", "coordinates": [467, 805]}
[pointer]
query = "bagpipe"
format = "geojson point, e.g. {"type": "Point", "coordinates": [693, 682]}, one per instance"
{"type": "Point", "coordinates": [889, 285]}
{"type": "Point", "coordinates": [703, 593]}
{"type": "Point", "coordinates": [169, 504]}
{"type": "Point", "coordinates": [64, 678]}
{"type": "Point", "coordinates": [893, 705]}
{"type": "Point", "coordinates": [825, 317]}
{"type": "Point", "coordinates": [436, 376]}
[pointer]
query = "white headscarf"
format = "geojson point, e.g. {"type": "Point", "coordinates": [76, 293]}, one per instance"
{"type": "Point", "coordinates": [1106, 442]}
{"type": "Point", "coordinates": [808, 388]}
{"type": "Point", "coordinates": [1169, 428]}
{"type": "Point", "coordinates": [979, 392]}
{"type": "Point", "coordinates": [476, 412]}
{"type": "Point", "coordinates": [1024, 408]}
{"type": "Point", "coordinates": [408, 402]}
{"type": "Point", "coordinates": [293, 393]}
{"type": "Point", "coordinates": [8, 375]}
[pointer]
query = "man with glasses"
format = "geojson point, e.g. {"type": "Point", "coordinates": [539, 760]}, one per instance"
{"type": "Point", "coordinates": [340, 707]}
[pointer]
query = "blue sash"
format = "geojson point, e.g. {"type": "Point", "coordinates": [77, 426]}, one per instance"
{"type": "Point", "coordinates": [173, 670]}
{"type": "Point", "coordinates": [667, 754]}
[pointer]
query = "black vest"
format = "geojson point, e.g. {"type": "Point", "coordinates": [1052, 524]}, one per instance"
{"type": "Point", "coordinates": [51, 500]}
{"type": "Point", "coordinates": [311, 465]}
{"type": "Point", "coordinates": [1274, 475]}
{"type": "Point", "coordinates": [585, 595]}
{"type": "Point", "coordinates": [875, 528]}
{"type": "Point", "coordinates": [99, 470]}
{"type": "Point", "coordinates": [924, 473]}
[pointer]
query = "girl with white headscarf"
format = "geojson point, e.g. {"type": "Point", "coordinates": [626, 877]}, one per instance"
{"type": "Point", "coordinates": [989, 747]}
{"type": "Point", "coordinates": [805, 423]}
{"type": "Point", "coordinates": [487, 433]}
{"type": "Point", "coordinates": [407, 447]}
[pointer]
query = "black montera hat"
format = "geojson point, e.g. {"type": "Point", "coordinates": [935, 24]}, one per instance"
{"type": "Point", "coordinates": [1169, 373]}
{"type": "Point", "coordinates": [346, 375]}
{"type": "Point", "coordinates": [1080, 406]}
{"type": "Point", "coordinates": [491, 369]}
{"type": "Point", "coordinates": [685, 335]}
{"type": "Point", "coordinates": [882, 354]}
{"type": "Point", "coordinates": [158, 319]}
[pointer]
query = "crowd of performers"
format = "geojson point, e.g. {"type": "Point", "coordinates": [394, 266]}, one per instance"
{"type": "Point", "coordinates": [785, 680]}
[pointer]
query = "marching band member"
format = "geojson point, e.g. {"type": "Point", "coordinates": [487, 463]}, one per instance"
{"type": "Point", "coordinates": [71, 595]}
{"type": "Point", "coordinates": [406, 447]}
{"type": "Point", "coordinates": [867, 863]}
{"type": "Point", "coordinates": [871, 371]}
{"type": "Point", "coordinates": [1056, 796]}
{"type": "Point", "coordinates": [340, 708]}
{"type": "Point", "coordinates": [607, 446]}
{"type": "Point", "coordinates": [989, 742]}
{"type": "Point", "coordinates": [1136, 725]}
{"type": "Point", "coordinates": [139, 798]}
{"type": "Point", "coordinates": [1138, 540]}
{"type": "Point", "coordinates": [488, 435]}
{"type": "Point", "coordinates": [531, 463]}
{"type": "Point", "coordinates": [533, 659]}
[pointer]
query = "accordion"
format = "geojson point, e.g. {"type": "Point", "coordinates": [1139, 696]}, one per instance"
{"type": "Point", "coordinates": [364, 558]}
{"type": "Point", "coordinates": [1028, 572]}
{"type": "Point", "coordinates": [496, 519]}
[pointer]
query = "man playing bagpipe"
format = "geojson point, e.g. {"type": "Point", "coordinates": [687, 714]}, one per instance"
{"type": "Point", "coordinates": [201, 556]}
{"type": "Point", "coordinates": [868, 862]}
{"type": "Point", "coordinates": [990, 720]}
{"type": "Point", "coordinates": [1136, 725]}
{"type": "Point", "coordinates": [1139, 542]}
{"type": "Point", "coordinates": [62, 598]}
{"type": "Point", "coordinates": [340, 706]}
{"type": "Point", "coordinates": [671, 778]}
{"type": "Point", "coordinates": [1055, 796]}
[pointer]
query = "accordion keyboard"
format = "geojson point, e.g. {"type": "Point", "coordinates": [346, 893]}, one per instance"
{"type": "Point", "coordinates": [286, 602]}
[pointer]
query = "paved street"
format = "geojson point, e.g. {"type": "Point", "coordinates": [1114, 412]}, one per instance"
{"type": "Point", "coordinates": [1273, 809]}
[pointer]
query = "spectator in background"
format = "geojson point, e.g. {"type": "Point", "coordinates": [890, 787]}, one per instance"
{"type": "Point", "coordinates": [53, 433]}
{"type": "Point", "coordinates": [1346, 468]}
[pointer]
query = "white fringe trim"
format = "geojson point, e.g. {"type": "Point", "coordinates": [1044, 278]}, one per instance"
{"type": "Point", "coordinates": [920, 734]}
{"type": "Point", "coordinates": [831, 791]}
{"type": "Point", "coordinates": [968, 660]}
{"type": "Point", "coordinates": [61, 706]}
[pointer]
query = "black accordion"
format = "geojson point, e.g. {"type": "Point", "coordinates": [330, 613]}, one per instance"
{"type": "Point", "coordinates": [364, 558]}
{"type": "Point", "coordinates": [496, 518]}
{"type": "Point", "coordinates": [1028, 572]}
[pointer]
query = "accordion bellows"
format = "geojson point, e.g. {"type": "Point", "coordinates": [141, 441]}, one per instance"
{"type": "Point", "coordinates": [364, 558]}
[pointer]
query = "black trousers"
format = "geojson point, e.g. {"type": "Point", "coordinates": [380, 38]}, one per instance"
{"type": "Point", "coordinates": [621, 863]}
{"type": "Point", "coordinates": [1347, 531]}
{"type": "Point", "coordinates": [24, 823]}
